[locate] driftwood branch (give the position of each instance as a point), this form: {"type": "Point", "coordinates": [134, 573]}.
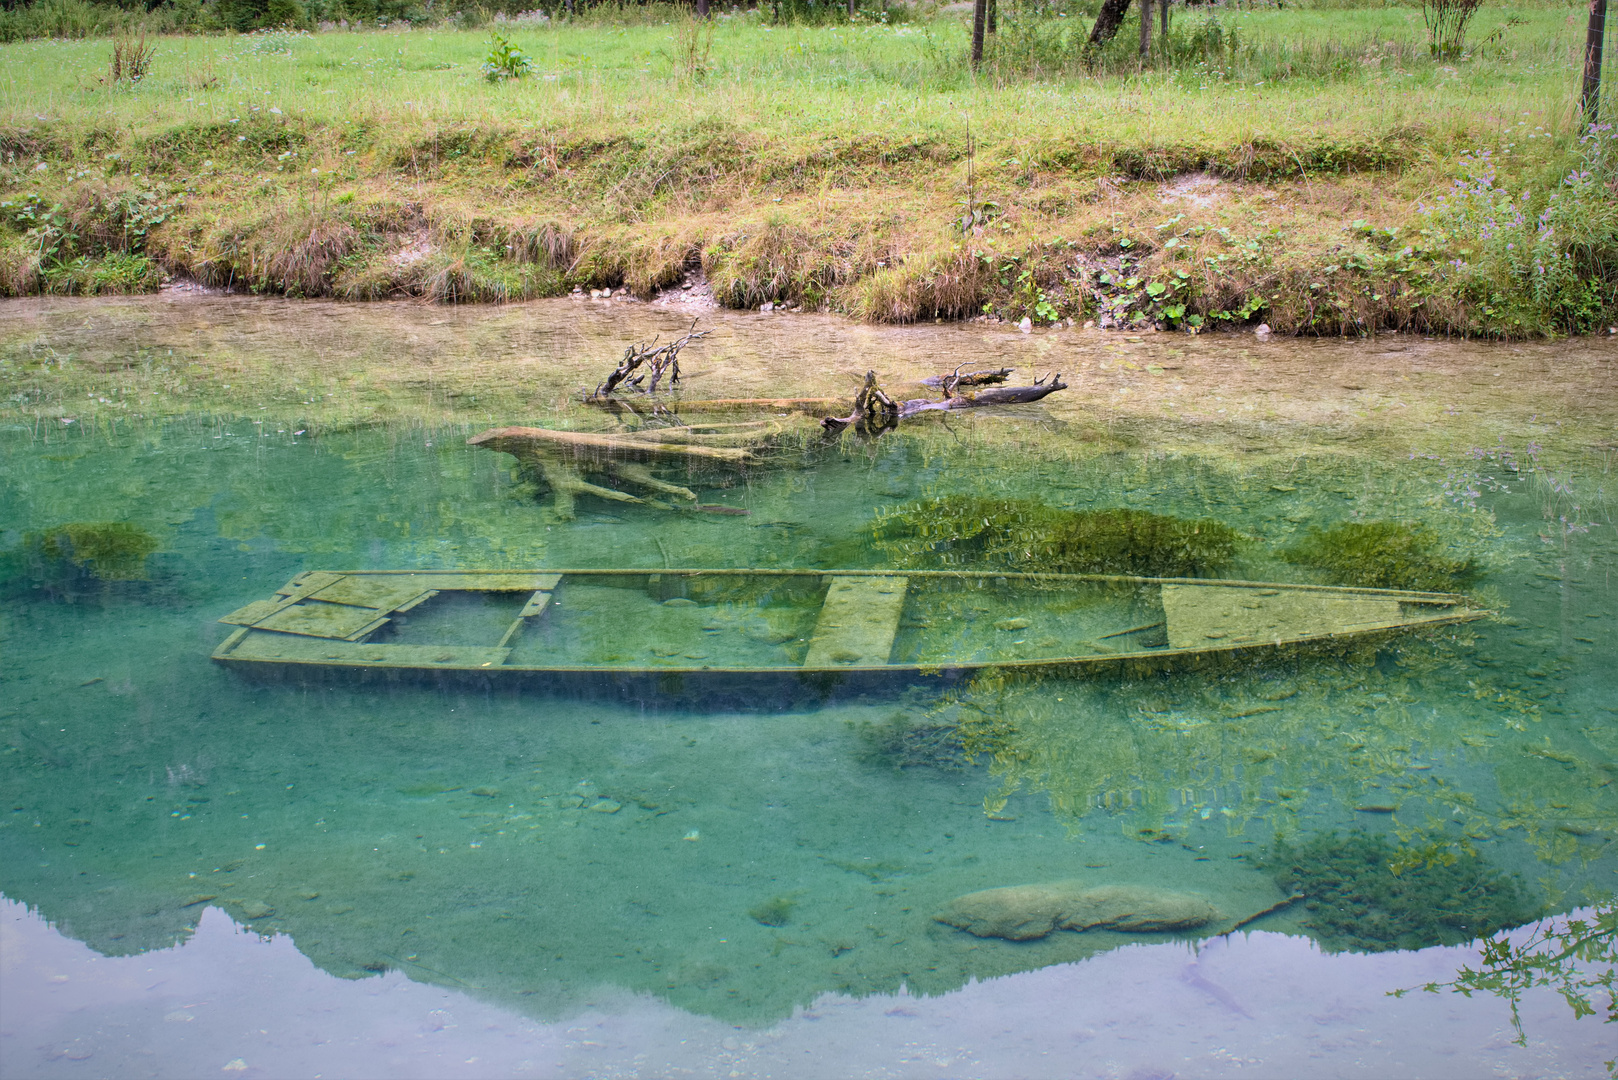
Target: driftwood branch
{"type": "Point", "coordinates": [659, 360]}
{"type": "Point", "coordinates": [958, 378]}
{"type": "Point", "coordinates": [878, 412]}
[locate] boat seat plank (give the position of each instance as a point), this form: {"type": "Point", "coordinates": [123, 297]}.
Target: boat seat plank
{"type": "Point", "coordinates": [258, 645]}
{"type": "Point", "coordinates": [307, 582]}
{"type": "Point", "coordinates": [1210, 616]}
{"type": "Point", "coordinates": [315, 619]}
{"type": "Point", "coordinates": [378, 593]}
{"type": "Point", "coordinates": [858, 622]}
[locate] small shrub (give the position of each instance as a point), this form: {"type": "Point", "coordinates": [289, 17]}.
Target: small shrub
{"type": "Point", "coordinates": [505, 61]}
{"type": "Point", "coordinates": [1383, 555]}
{"type": "Point", "coordinates": [1446, 26]}
{"type": "Point", "coordinates": [131, 59]}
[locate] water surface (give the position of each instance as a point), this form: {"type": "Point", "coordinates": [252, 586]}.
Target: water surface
{"type": "Point", "coordinates": [532, 848]}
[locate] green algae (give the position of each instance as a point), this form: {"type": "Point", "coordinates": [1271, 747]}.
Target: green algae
{"type": "Point", "coordinates": [1364, 894]}
{"type": "Point", "coordinates": [904, 741]}
{"type": "Point", "coordinates": [106, 550]}
{"type": "Point", "coordinates": [776, 911]}
{"type": "Point", "coordinates": [970, 530]}
{"type": "Point", "coordinates": [1384, 555]}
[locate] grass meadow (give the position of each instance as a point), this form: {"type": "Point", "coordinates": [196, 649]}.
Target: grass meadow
{"type": "Point", "coordinates": [1265, 163]}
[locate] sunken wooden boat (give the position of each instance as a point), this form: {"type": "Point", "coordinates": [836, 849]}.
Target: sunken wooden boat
{"type": "Point", "coordinates": [812, 624]}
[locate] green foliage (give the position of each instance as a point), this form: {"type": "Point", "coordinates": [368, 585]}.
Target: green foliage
{"type": "Point", "coordinates": [969, 530]}
{"type": "Point", "coordinates": [505, 61]}
{"type": "Point", "coordinates": [907, 742]}
{"type": "Point", "coordinates": [776, 911]}
{"type": "Point", "coordinates": [110, 550]}
{"type": "Point", "coordinates": [1383, 555]}
{"type": "Point", "coordinates": [1572, 957]}
{"type": "Point", "coordinates": [1543, 260]}
{"type": "Point", "coordinates": [1364, 895]}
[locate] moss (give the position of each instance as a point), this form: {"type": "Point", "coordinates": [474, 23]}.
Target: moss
{"type": "Point", "coordinates": [906, 742]}
{"type": "Point", "coordinates": [776, 911]}
{"type": "Point", "coordinates": [110, 550]}
{"type": "Point", "coordinates": [1383, 554]}
{"type": "Point", "coordinates": [967, 531]}
{"type": "Point", "coordinates": [1363, 894]}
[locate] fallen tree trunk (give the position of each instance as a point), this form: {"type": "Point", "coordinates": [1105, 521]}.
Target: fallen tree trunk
{"type": "Point", "coordinates": [878, 412]}
{"type": "Point", "coordinates": [996, 395]}
{"type": "Point", "coordinates": [969, 378]}
{"type": "Point", "coordinates": [525, 441]}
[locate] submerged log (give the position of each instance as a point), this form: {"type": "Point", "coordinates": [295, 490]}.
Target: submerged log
{"type": "Point", "coordinates": [525, 441]}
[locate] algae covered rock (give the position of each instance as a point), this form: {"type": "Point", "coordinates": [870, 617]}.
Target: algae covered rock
{"type": "Point", "coordinates": [1026, 912]}
{"type": "Point", "coordinates": [958, 531]}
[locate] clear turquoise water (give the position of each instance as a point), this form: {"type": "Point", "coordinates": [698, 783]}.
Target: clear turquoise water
{"type": "Point", "coordinates": [466, 835]}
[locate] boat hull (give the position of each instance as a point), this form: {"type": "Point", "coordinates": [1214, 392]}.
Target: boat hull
{"type": "Point", "coordinates": [655, 634]}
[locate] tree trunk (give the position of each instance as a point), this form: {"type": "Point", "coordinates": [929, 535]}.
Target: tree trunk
{"type": "Point", "coordinates": [979, 10]}
{"type": "Point", "coordinates": [1145, 28]}
{"type": "Point", "coordinates": [850, 9]}
{"type": "Point", "coordinates": [1110, 18]}
{"type": "Point", "coordinates": [1594, 39]}
{"type": "Point", "coordinates": [702, 9]}
{"type": "Point", "coordinates": [1164, 28]}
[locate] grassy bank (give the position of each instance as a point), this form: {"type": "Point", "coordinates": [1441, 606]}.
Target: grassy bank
{"type": "Point", "coordinates": [1271, 165]}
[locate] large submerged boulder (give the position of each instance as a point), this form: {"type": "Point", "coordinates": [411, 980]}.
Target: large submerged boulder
{"type": "Point", "coordinates": [1026, 912]}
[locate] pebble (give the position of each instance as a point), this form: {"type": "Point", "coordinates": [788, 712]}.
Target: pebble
{"type": "Point", "coordinates": [679, 601]}
{"type": "Point", "coordinates": [254, 909]}
{"type": "Point", "coordinates": [200, 898]}
{"type": "Point", "coordinates": [1012, 624]}
{"type": "Point", "coordinates": [607, 806]}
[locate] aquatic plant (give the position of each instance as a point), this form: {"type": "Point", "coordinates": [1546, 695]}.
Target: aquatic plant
{"type": "Point", "coordinates": [907, 742]}
{"type": "Point", "coordinates": [110, 550]}
{"type": "Point", "coordinates": [1364, 894]}
{"type": "Point", "coordinates": [1383, 554]}
{"type": "Point", "coordinates": [776, 911]}
{"type": "Point", "coordinates": [969, 530]}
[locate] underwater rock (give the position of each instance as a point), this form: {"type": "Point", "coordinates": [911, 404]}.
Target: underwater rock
{"type": "Point", "coordinates": [256, 909]}
{"type": "Point", "coordinates": [1026, 912]}
{"type": "Point", "coordinates": [1012, 624]}
{"type": "Point", "coordinates": [607, 806]}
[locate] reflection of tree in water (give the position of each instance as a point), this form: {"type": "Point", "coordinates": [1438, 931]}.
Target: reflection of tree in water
{"type": "Point", "coordinates": [1399, 729]}
{"type": "Point", "coordinates": [1577, 957]}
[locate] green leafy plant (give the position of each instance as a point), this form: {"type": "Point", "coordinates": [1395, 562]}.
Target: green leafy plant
{"type": "Point", "coordinates": [776, 911]}
{"type": "Point", "coordinates": [505, 61]}
{"type": "Point", "coordinates": [1576, 957]}
{"type": "Point", "coordinates": [110, 550]}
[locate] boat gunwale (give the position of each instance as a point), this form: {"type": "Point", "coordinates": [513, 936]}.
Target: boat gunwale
{"type": "Point", "coordinates": [1410, 596]}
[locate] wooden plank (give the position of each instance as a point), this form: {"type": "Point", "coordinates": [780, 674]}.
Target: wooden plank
{"type": "Point", "coordinates": [451, 581]}
{"type": "Point", "coordinates": [858, 622]}
{"type": "Point", "coordinates": [535, 605]}
{"type": "Point", "coordinates": [258, 609]}
{"type": "Point", "coordinates": [258, 645]}
{"type": "Point", "coordinates": [315, 619]}
{"type": "Point", "coordinates": [378, 593]}
{"type": "Point", "coordinates": [307, 582]}
{"type": "Point", "coordinates": [1210, 616]}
